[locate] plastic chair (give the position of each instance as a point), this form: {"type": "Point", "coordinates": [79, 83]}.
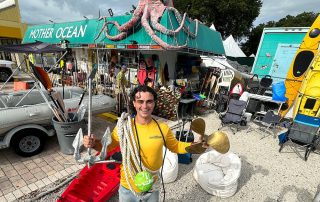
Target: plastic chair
{"type": "Point", "coordinates": [225, 79]}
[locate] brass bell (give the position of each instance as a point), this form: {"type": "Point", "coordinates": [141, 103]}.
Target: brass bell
{"type": "Point", "coordinates": [219, 141]}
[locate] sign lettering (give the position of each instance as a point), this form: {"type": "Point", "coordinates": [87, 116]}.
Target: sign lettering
{"type": "Point", "coordinates": [60, 33]}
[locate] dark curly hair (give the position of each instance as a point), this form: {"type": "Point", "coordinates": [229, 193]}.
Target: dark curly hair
{"type": "Point", "coordinates": [140, 88]}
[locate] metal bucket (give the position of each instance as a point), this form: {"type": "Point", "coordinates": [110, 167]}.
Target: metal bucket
{"type": "Point", "coordinates": [66, 132]}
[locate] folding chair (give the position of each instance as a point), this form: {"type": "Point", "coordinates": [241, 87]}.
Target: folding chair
{"type": "Point", "coordinates": [253, 84]}
{"type": "Point", "coordinates": [234, 115]}
{"type": "Point", "coordinates": [302, 136]}
{"type": "Point", "coordinates": [265, 83]}
{"type": "Point", "coordinates": [266, 123]}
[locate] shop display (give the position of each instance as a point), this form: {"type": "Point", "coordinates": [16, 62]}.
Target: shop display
{"type": "Point", "coordinates": [167, 104]}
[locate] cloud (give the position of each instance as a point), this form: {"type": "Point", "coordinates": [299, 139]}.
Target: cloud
{"type": "Point", "coordinates": [40, 12]}
{"type": "Point", "coordinates": [277, 9]}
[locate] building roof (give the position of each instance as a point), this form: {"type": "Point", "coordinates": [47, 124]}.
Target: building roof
{"type": "Point", "coordinates": [84, 32]}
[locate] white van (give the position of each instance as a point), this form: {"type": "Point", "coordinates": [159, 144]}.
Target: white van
{"type": "Point", "coordinates": [6, 69]}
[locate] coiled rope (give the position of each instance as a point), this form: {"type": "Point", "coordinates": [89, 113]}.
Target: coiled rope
{"type": "Point", "coordinates": [130, 153]}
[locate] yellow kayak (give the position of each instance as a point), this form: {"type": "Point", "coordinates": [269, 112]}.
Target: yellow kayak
{"type": "Point", "coordinates": [305, 54]}
{"type": "Point", "coordinates": [308, 100]}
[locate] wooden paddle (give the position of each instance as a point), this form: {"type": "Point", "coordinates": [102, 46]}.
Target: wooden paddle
{"type": "Point", "coordinates": [57, 96]}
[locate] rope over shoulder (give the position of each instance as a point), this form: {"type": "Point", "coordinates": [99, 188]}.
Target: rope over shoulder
{"type": "Point", "coordinates": [130, 152]}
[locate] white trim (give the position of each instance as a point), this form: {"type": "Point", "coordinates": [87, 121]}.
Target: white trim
{"type": "Point", "coordinates": [7, 3]}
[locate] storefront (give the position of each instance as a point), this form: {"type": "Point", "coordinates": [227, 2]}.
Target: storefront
{"type": "Point", "coordinates": [82, 37]}
{"type": "Point", "coordinates": [168, 64]}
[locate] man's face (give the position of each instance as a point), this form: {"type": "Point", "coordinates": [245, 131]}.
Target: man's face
{"type": "Point", "coordinates": [144, 104]}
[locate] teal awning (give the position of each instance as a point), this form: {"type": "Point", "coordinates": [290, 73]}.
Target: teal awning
{"type": "Point", "coordinates": [84, 32]}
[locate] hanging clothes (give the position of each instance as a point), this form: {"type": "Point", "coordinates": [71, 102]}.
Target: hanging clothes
{"type": "Point", "coordinates": [142, 73]}
{"type": "Point", "coordinates": [146, 75]}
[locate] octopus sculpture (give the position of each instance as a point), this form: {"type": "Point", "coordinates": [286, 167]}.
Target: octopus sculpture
{"type": "Point", "coordinates": [150, 10]}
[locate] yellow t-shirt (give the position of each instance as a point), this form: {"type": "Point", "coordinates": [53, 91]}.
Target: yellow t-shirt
{"type": "Point", "coordinates": [151, 144]}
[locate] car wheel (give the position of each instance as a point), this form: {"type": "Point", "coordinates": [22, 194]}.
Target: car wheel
{"type": "Point", "coordinates": [28, 143]}
{"type": "Point", "coordinates": [4, 75]}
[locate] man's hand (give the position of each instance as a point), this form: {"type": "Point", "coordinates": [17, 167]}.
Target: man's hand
{"type": "Point", "coordinates": [89, 142]}
{"type": "Point", "coordinates": [197, 147]}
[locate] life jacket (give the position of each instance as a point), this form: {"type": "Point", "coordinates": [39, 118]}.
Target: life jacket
{"type": "Point", "coordinates": [146, 75]}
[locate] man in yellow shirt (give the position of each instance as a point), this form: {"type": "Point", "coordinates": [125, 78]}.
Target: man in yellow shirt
{"type": "Point", "coordinates": [121, 84]}
{"type": "Point", "coordinates": [150, 137]}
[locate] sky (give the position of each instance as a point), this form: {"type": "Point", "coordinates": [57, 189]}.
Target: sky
{"type": "Point", "coordinates": [41, 11]}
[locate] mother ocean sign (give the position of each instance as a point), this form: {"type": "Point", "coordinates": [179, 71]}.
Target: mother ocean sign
{"type": "Point", "coordinates": [61, 32]}
{"type": "Point", "coordinates": [75, 32]}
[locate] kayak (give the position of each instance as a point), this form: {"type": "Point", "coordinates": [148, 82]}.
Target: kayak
{"type": "Point", "coordinates": [308, 101]}
{"type": "Point", "coordinates": [304, 56]}
{"type": "Point", "coordinates": [95, 184]}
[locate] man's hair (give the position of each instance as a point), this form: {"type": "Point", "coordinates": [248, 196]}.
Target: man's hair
{"type": "Point", "coordinates": [138, 89]}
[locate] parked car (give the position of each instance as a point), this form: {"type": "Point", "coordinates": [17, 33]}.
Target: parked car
{"type": "Point", "coordinates": [6, 69]}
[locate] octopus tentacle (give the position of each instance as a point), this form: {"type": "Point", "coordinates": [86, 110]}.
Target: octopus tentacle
{"type": "Point", "coordinates": [125, 27]}
{"type": "Point", "coordinates": [102, 28]}
{"type": "Point", "coordinates": [152, 34]}
{"type": "Point", "coordinates": [185, 28]}
{"type": "Point", "coordinates": [156, 25]}
{"type": "Point", "coordinates": [136, 16]}
{"type": "Point", "coordinates": [117, 37]}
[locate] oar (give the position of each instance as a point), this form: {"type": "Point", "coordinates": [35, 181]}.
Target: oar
{"type": "Point", "coordinates": [44, 79]}
{"type": "Point", "coordinates": [57, 96]}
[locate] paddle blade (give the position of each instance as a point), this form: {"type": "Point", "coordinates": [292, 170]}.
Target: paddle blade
{"type": "Point", "coordinates": [42, 76]}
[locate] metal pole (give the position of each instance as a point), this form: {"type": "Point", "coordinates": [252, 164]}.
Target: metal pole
{"type": "Point", "coordinates": [89, 111]}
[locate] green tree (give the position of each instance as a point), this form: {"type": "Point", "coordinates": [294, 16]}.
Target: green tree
{"type": "Point", "coordinates": [304, 19]}
{"type": "Point", "coordinates": [228, 16]}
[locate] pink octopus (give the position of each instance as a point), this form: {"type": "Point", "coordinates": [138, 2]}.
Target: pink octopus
{"type": "Point", "coordinates": [153, 10]}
